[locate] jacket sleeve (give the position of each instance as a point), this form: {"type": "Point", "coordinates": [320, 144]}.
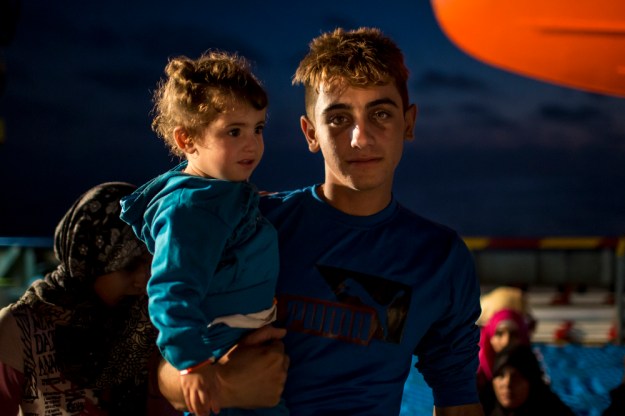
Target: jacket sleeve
{"type": "Point", "coordinates": [448, 354]}
{"type": "Point", "coordinates": [189, 242]}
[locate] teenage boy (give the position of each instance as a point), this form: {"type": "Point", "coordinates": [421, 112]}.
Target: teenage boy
{"type": "Point", "coordinates": [364, 283]}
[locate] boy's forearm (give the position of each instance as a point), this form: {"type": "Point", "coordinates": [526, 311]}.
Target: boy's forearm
{"type": "Point", "coordinates": [250, 376]}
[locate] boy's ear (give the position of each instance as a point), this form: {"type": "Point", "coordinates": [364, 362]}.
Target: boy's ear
{"type": "Point", "coordinates": [183, 141]}
{"type": "Point", "coordinates": [410, 118]}
{"type": "Point", "coordinates": [310, 133]}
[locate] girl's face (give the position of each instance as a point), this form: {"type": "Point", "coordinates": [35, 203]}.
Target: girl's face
{"type": "Point", "coordinates": [511, 388]}
{"type": "Point", "coordinates": [231, 146]}
{"type": "Point", "coordinates": [115, 286]}
{"type": "Point", "coordinates": [506, 333]}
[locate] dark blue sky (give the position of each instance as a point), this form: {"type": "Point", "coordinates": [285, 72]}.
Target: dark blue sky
{"type": "Point", "coordinates": [494, 154]}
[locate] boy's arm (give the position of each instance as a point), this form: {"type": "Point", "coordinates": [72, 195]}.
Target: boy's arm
{"type": "Point", "coordinates": [251, 376]}
{"type": "Point", "coordinates": [448, 353]}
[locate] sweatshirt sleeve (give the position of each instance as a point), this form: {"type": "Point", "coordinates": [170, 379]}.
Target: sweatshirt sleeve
{"type": "Point", "coordinates": [189, 242]}
{"type": "Point", "coordinates": [448, 354]}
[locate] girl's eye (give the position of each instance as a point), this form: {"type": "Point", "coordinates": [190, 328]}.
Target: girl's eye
{"type": "Point", "coordinates": [235, 132]}
{"type": "Point", "coordinates": [259, 129]}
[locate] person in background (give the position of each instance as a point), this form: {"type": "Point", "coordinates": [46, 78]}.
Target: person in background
{"type": "Point", "coordinates": [365, 283]}
{"type": "Point", "coordinates": [506, 297]}
{"type": "Point", "coordinates": [518, 387]}
{"type": "Point", "coordinates": [79, 341]}
{"type": "Point", "coordinates": [505, 327]}
{"type": "Point", "coordinates": [215, 262]}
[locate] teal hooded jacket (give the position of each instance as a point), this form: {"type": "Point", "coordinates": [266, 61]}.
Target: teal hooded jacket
{"type": "Point", "coordinates": [214, 255]}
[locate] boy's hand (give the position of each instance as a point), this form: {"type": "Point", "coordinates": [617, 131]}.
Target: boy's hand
{"type": "Point", "coordinates": [253, 374]}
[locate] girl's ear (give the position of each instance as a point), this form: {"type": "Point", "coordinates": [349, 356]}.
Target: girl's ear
{"type": "Point", "coordinates": [183, 140]}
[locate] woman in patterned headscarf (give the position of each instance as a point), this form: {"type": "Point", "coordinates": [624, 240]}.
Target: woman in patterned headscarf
{"type": "Point", "coordinates": [79, 340]}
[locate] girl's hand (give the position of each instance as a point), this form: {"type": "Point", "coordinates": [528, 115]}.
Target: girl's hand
{"type": "Point", "coordinates": [196, 388]}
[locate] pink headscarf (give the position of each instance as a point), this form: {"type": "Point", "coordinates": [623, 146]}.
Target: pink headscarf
{"type": "Point", "coordinates": [487, 354]}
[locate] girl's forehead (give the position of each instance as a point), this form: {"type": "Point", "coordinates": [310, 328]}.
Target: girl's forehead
{"type": "Point", "coordinates": [241, 113]}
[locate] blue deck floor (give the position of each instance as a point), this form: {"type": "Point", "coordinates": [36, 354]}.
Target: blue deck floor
{"type": "Point", "coordinates": [581, 375]}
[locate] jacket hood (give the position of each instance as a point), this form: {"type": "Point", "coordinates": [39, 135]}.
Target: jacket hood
{"type": "Point", "coordinates": [135, 207]}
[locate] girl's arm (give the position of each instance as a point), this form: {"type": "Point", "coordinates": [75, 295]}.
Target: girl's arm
{"type": "Point", "coordinates": [188, 247]}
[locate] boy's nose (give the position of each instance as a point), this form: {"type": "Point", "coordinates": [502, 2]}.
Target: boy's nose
{"type": "Point", "coordinates": [360, 136]}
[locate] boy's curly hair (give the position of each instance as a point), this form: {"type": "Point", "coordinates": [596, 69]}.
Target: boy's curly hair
{"type": "Point", "coordinates": [358, 58]}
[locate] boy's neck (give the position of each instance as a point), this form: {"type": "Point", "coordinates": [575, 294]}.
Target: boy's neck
{"type": "Point", "coordinates": [354, 202]}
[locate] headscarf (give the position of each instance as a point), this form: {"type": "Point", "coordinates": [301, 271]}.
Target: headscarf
{"type": "Point", "coordinates": [97, 347]}
{"type": "Point", "coordinates": [487, 354]}
{"type": "Point", "coordinates": [541, 400]}
{"type": "Point", "coordinates": [503, 297]}
{"type": "Point", "coordinates": [89, 241]}
{"type": "Point", "coordinates": [522, 358]}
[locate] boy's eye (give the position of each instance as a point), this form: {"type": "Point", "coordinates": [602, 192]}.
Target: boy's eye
{"type": "Point", "coordinates": [381, 115]}
{"type": "Point", "coordinates": [259, 129]}
{"type": "Point", "coordinates": [337, 120]}
{"type": "Point", "coordinates": [234, 132]}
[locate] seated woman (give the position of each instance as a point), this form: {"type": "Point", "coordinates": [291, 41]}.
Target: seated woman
{"type": "Point", "coordinates": [518, 387]}
{"type": "Point", "coordinates": [505, 327]}
{"type": "Point", "coordinates": [79, 341]}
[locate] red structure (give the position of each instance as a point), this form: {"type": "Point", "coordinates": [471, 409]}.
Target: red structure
{"type": "Point", "coordinates": [578, 44]}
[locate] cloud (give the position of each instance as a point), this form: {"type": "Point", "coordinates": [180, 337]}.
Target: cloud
{"type": "Point", "coordinates": [480, 115]}
{"type": "Point", "coordinates": [580, 125]}
{"type": "Point", "coordinates": [432, 79]}
{"type": "Point", "coordinates": [579, 115]}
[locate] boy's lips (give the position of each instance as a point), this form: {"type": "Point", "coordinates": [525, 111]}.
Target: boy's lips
{"type": "Point", "coordinates": [364, 160]}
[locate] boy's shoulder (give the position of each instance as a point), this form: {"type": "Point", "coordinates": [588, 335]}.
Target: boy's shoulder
{"type": "Point", "coordinates": [274, 198]}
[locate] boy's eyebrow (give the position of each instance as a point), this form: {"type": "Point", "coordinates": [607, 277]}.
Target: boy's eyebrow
{"type": "Point", "coordinates": [374, 103]}
{"type": "Point", "coordinates": [381, 101]}
{"type": "Point", "coordinates": [337, 106]}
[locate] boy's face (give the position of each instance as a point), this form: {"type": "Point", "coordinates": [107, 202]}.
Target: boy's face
{"type": "Point", "coordinates": [231, 146]}
{"type": "Point", "coordinates": [361, 133]}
